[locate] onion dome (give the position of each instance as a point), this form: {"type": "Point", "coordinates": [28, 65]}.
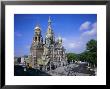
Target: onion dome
{"type": "Point", "coordinates": [59, 39]}
{"type": "Point", "coordinates": [37, 27]}
{"type": "Point", "coordinates": [48, 35]}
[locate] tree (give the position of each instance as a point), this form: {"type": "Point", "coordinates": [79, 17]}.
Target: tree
{"type": "Point", "coordinates": [83, 56]}
{"type": "Point", "coordinates": [89, 55]}
{"type": "Point", "coordinates": [92, 46]}
{"type": "Point", "coordinates": [91, 52]}
{"type": "Point", "coordinates": [72, 57]}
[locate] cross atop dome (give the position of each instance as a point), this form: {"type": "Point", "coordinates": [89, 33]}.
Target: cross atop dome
{"type": "Point", "coordinates": [49, 21]}
{"type": "Point", "coordinates": [37, 26]}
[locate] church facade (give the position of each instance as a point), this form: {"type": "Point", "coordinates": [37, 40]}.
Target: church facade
{"type": "Point", "coordinates": [48, 53]}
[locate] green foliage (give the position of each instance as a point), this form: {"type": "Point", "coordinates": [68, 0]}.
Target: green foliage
{"type": "Point", "coordinates": [82, 56]}
{"type": "Point", "coordinates": [89, 55]}
{"type": "Point", "coordinates": [72, 56]}
{"type": "Point", "coordinates": [92, 46]}
{"type": "Point", "coordinates": [92, 52]}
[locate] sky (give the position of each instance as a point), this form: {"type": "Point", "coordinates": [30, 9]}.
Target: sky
{"type": "Point", "coordinates": [75, 29]}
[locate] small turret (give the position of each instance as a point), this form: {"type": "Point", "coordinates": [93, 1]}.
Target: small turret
{"type": "Point", "coordinates": [59, 40]}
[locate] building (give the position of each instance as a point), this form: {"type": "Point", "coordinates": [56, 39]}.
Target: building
{"type": "Point", "coordinates": [48, 54]}
{"type": "Point", "coordinates": [22, 60]}
{"type": "Point", "coordinates": [15, 60]}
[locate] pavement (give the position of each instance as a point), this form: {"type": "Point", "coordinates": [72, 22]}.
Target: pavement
{"type": "Point", "coordinates": [72, 70]}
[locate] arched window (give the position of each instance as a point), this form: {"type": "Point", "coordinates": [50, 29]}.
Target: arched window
{"type": "Point", "coordinates": [35, 38]}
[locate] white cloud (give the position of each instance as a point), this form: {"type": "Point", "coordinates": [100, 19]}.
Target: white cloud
{"type": "Point", "coordinates": [70, 43]}
{"type": "Point", "coordinates": [73, 44]}
{"type": "Point", "coordinates": [64, 39]}
{"type": "Point", "coordinates": [78, 44]}
{"type": "Point", "coordinates": [85, 26]}
{"type": "Point", "coordinates": [92, 31]}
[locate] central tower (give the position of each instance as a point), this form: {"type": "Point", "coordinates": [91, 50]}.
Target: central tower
{"type": "Point", "coordinates": [49, 34]}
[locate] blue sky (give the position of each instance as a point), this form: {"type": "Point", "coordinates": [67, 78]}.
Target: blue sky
{"type": "Point", "coordinates": [75, 29]}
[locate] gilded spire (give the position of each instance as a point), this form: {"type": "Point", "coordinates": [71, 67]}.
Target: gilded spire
{"type": "Point", "coordinates": [49, 31]}
{"type": "Point", "coordinates": [49, 21]}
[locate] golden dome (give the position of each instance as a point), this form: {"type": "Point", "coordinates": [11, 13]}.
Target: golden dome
{"type": "Point", "coordinates": [37, 29]}
{"type": "Point", "coordinates": [59, 39]}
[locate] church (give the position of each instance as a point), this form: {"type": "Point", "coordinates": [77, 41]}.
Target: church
{"type": "Point", "coordinates": [48, 53]}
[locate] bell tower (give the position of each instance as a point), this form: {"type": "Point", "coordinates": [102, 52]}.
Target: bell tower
{"type": "Point", "coordinates": [37, 35]}
{"type": "Point", "coordinates": [36, 49]}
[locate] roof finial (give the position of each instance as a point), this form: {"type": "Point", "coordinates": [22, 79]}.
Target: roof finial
{"type": "Point", "coordinates": [49, 21]}
{"type": "Point", "coordinates": [37, 26]}
{"type": "Point", "coordinates": [59, 38]}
